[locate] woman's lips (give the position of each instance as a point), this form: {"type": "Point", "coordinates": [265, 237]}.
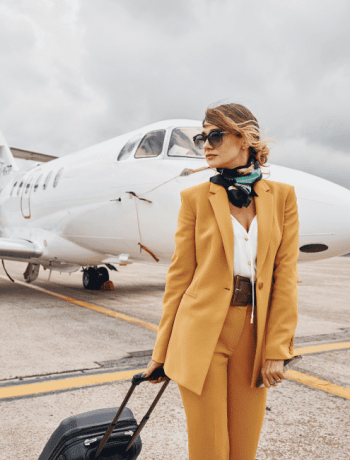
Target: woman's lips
{"type": "Point", "coordinates": [210, 155]}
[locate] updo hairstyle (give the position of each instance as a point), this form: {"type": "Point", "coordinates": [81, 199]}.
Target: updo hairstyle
{"type": "Point", "coordinates": [238, 120]}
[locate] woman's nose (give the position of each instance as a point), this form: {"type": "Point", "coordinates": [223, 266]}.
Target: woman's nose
{"type": "Point", "coordinates": [207, 146]}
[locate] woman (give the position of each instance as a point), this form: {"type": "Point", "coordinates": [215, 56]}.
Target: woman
{"type": "Point", "coordinates": [230, 302]}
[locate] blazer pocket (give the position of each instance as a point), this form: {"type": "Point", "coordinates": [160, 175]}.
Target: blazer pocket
{"type": "Point", "coordinates": [190, 295]}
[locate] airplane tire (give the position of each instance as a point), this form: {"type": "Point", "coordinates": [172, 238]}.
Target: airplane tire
{"type": "Point", "coordinates": [91, 279]}
{"type": "Point", "coordinates": [103, 275]}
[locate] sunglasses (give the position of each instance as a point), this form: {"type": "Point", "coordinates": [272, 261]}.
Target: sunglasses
{"type": "Point", "coordinates": [215, 138]}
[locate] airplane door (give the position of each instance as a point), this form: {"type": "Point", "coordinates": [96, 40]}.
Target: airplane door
{"type": "Point", "coordinates": [25, 197]}
{"type": "Point", "coordinates": [129, 222]}
{"type": "Point", "coordinates": [128, 228]}
{"type": "Point", "coordinates": [148, 215]}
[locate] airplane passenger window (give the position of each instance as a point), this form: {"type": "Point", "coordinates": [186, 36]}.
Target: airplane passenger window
{"type": "Point", "coordinates": [37, 183]}
{"type": "Point", "coordinates": [151, 145]}
{"type": "Point", "coordinates": [13, 188]}
{"type": "Point", "coordinates": [28, 186]}
{"type": "Point", "coordinates": [46, 183]}
{"type": "Point", "coordinates": [57, 178]}
{"type": "Point", "coordinates": [181, 143]}
{"type": "Point", "coordinates": [19, 187]}
{"type": "Point", "coordinates": [129, 147]}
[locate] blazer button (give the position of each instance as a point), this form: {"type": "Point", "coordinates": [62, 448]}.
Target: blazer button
{"type": "Point", "coordinates": [261, 285]}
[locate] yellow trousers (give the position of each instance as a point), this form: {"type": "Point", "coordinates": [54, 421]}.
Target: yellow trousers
{"type": "Point", "coordinates": [225, 421]}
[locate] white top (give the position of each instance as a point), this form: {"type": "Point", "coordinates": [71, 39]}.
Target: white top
{"type": "Point", "coordinates": [245, 252]}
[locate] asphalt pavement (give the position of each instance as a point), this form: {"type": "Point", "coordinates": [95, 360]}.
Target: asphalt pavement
{"type": "Point", "coordinates": [60, 358]}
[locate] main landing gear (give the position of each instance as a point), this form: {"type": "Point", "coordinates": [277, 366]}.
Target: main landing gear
{"type": "Point", "coordinates": [94, 277]}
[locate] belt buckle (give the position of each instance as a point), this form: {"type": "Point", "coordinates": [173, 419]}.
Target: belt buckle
{"type": "Point", "coordinates": [239, 298]}
{"type": "Point", "coordinates": [242, 294]}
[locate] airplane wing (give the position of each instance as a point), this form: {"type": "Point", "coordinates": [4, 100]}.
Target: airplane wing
{"type": "Point", "coordinates": [17, 248]}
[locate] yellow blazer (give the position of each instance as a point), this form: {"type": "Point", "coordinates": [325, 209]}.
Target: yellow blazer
{"type": "Point", "coordinates": [199, 282]}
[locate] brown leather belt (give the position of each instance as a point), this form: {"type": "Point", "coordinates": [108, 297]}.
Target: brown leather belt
{"type": "Point", "coordinates": [242, 291]}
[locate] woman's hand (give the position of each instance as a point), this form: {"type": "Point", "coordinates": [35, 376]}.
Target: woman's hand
{"type": "Point", "coordinates": [273, 372]}
{"type": "Point", "coordinates": [152, 366]}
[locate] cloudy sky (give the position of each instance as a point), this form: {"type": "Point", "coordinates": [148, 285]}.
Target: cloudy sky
{"type": "Point", "coordinates": [78, 72]}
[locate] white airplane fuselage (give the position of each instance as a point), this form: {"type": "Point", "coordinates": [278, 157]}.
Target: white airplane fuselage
{"type": "Point", "coordinates": [90, 218]}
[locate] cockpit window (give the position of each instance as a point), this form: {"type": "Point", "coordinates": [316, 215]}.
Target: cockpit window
{"type": "Point", "coordinates": [151, 145]}
{"type": "Point", "coordinates": [129, 147]}
{"type": "Point", "coordinates": [181, 143]}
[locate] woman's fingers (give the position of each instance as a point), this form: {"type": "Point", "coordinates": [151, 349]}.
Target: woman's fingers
{"type": "Point", "coordinates": [160, 379]}
{"type": "Point", "coordinates": [267, 382]}
{"type": "Point", "coordinates": [148, 372]}
{"type": "Point", "coordinates": [152, 366]}
{"type": "Point", "coordinates": [273, 372]}
{"type": "Point", "coordinates": [279, 375]}
{"type": "Point", "coordinates": [265, 377]}
{"type": "Point", "coordinates": [276, 377]}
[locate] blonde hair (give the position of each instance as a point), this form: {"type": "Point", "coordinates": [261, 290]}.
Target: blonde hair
{"type": "Point", "coordinates": [239, 121]}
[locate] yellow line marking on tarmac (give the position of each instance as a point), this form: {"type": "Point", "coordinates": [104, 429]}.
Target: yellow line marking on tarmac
{"type": "Point", "coordinates": [322, 347]}
{"type": "Point", "coordinates": [79, 382]}
{"type": "Point", "coordinates": [65, 384]}
{"type": "Point", "coordinates": [318, 383]}
{"type": "Point", "coordinates": [105, 311]}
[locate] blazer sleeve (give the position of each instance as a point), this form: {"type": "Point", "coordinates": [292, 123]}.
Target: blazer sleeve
{"type": "Point", "coordinates": [283, 315]}
{"type": "Point", "coordinates": [179, 276]}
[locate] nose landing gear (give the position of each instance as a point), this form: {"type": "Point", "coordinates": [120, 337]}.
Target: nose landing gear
{"type": "Point", "coordinates": [31, 273]}
{"type": "Point", "coordinates": [94, 277]}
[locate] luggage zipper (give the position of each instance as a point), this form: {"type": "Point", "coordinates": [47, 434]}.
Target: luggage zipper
{"type": "Point", "coordinates": [87, 442]}
{"type": "Point", "coordinates": [90, 441]}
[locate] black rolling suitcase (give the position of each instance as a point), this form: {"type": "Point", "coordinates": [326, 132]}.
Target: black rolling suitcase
{"type": "Point", "coordinates": [105, 434]}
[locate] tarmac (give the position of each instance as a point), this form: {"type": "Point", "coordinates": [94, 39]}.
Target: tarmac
{"type": "Point", "coordinates": [66, 350]}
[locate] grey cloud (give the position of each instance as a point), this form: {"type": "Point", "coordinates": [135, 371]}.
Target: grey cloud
{"type": "Point", "coordinates": [167, 16]}
{"type": "Point", "coordinates": [324, 162]}
{"type": "Point", "coordinates": [17, 37]}
{"type": "Point", "coordinates": [93, 70]}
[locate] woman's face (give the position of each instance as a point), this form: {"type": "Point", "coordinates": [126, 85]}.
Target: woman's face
{"type": "Point", "coordinates": [231, 153]}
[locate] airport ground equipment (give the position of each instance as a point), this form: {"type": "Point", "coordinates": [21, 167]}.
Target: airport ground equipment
{"type": "Point", "coordinates": [104, 434]}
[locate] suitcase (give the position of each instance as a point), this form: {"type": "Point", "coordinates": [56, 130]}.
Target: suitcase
{"type": "Point", "coordinates": [104, 434]}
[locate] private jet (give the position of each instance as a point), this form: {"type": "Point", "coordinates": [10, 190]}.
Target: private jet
{"type": "Point", "coordinates": [117, 202]}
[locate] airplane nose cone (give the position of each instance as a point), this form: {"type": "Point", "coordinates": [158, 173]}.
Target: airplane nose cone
{"type": "Point", "coordinates": [324, 214]}
{"type": "Point", "coordinates": [324, 209]}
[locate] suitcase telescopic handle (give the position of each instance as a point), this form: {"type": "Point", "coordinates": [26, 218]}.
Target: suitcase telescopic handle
{"type": "Point", "coordinates": [136, 380]}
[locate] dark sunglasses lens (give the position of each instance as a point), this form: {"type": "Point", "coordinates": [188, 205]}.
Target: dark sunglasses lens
{"type": "Point", "coordinates": [199, 141]}
{"type": "Point", "coordinates": [215, 138]}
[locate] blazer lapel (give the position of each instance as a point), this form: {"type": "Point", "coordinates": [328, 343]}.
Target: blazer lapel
{"type": "Point", "coordinates": [221, 208]}
{"type": "Point", "coordinates": [264, 204]}
{"type": "Point", "coordinates": [264, 210]}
